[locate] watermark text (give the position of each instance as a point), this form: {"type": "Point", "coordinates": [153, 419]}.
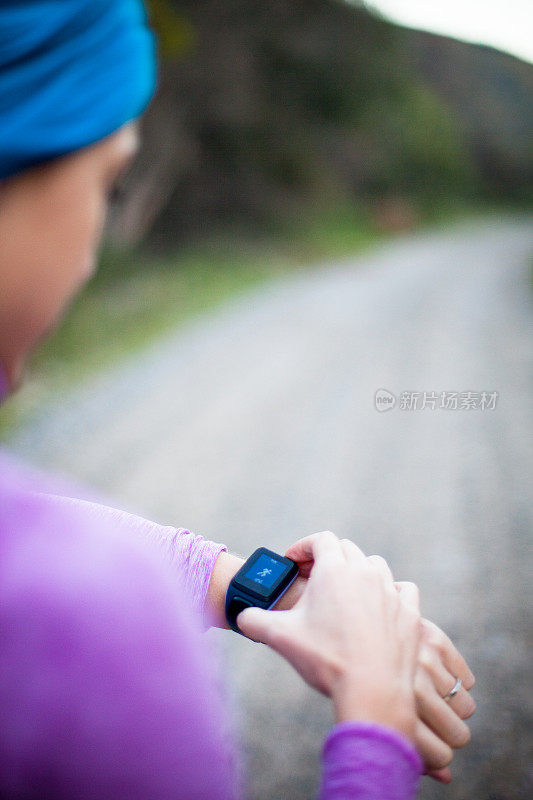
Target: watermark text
{"type": "Point", "coordinates": [467, 400]}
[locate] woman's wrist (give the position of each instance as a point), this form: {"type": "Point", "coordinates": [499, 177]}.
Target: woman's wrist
{"type": "Point", "coordinates": [384, 702]}
{"type": "Point", "coordinates": [226, 566]}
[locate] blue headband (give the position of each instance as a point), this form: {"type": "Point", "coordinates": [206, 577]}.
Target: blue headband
{"type": "Point", "coordinates": [71, 73]}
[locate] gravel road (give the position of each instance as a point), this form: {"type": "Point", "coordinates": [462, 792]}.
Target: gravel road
{"type": "Point", "coordinates": [257, 425]}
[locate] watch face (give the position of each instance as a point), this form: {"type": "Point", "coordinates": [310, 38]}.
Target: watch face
{"type": "Point", "coordinates": [266, 574]}
{"type": "Point", "coordinates": [265, 571]}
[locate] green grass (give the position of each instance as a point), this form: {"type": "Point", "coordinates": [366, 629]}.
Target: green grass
{"type": "Point", "coordinates": [135, 298]}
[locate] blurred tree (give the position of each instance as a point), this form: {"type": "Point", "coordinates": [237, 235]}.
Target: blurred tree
{"type": "Point", "coordinates": [417, 148]}
{"type": "Point", "coordinates": [266, 109]}
{"type": "Point", "coordinates": [492, 96]}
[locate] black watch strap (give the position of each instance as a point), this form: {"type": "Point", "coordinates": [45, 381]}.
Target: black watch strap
{"type": "Point", "coordinates": [259, 583]}
{"type": "Point", "coordinates": [235, 603]}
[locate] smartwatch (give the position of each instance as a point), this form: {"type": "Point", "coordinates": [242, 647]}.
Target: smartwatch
{"type": "Point", "coordinates": [260, 582]}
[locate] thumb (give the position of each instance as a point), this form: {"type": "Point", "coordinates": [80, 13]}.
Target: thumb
{"type": "Point", "coordinates": [256, 623]}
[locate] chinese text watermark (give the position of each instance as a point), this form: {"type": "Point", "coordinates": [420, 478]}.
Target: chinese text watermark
{"type": "Point", "coordinates": [432, 401]}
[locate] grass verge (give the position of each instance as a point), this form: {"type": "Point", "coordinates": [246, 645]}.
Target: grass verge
{"type": "Point", "coordinates": [136, 297]}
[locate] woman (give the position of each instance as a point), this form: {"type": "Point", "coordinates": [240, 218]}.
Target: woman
{"type": "Point", "coordinates": [104, 686]}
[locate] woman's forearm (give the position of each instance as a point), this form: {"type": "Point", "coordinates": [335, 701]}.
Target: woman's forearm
{"type": "Point", "coordinates": [203, 566]}
{"type": "Point", "coordinates": [225, 568]}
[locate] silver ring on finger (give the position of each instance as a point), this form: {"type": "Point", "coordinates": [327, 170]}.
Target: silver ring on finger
{"type": "Point", "coordinates": [454, 690]}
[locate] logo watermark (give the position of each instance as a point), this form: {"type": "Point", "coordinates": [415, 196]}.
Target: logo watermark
{"type": "Point", "coordinates": [384, 400]}
{"type": "Point", "coordinates": [468, 400]}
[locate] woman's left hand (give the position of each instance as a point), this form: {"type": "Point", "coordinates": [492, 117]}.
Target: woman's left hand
{"type": "Point", "coordinates": [440, 728]}
{"type": "Point", "coordinates": [441, 723]}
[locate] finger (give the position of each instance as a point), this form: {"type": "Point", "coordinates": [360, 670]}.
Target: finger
{"type": "Point", "coordinates": [462, 703]}
{"type": "Point", "coordinates": [304, 549]}
{"type": "Point", "coordinates": [441, 775]}
{"type": "Point", "coordinates": [304, 567]}
{"type": "Point", "coordinates": [410, 595]}
{"type": "Point", "coordinates": [301, 551]}
{"type": "Point", "coordinates": [451, 657]}
{"type": "Point", "coordinates": [437, 714]}
{"type": "Point", "coordinates": [435, 753]}
{"type": "Point", "coordinates": [326, 548]}
{"type": "Point", "coordinates": [351, 551]}
{"type": "Point", "coordinates": [381, 565]}
{"type": "Point", "coordinates": [399, 584]}
{"type": "Point", "coordinates": [430, 661]}
{"type": "Point", "coordinates": [258, 624]}
{"type": "Point", "coordinates": [434, 654]}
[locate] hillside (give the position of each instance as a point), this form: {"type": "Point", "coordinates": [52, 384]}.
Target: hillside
{"type": "Point", "coordinates": [491, 94]}
{"type": "Point", "coordinates": [268, 110]}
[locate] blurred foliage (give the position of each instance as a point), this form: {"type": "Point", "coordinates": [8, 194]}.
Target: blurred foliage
{"type": "Point", "coordinates": [491, 94]}
{"type": "Point", "coordinates": [415, 147]}
{"type": "Point", "coordinates": [267, 109]}
{"type": "Point", "coordinates": [175, 34]}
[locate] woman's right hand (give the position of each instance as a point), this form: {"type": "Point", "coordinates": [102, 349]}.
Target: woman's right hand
{"type": "Point", "coordinates": [440, 728]}
{"type": "Point", "coordinates": [350, 635]}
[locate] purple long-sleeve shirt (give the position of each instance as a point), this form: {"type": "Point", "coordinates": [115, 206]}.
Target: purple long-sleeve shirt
{"type": "Point", "coordinates": [106, 684]}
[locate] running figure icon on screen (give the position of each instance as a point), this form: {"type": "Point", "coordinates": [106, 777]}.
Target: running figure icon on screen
{"type": "Point", "coordinates": [265, 571]}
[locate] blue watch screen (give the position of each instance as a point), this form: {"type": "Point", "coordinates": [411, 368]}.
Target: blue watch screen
{"type": "Point", "coordinates": [265, 571]}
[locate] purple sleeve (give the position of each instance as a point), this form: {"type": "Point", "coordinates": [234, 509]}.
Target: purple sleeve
{"type": "Point", "coordinates": [365, 761]}
{"type": "Point", "coordinates": [107, 687]}
{"type": "Point", "coordinates": [190, 555]}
